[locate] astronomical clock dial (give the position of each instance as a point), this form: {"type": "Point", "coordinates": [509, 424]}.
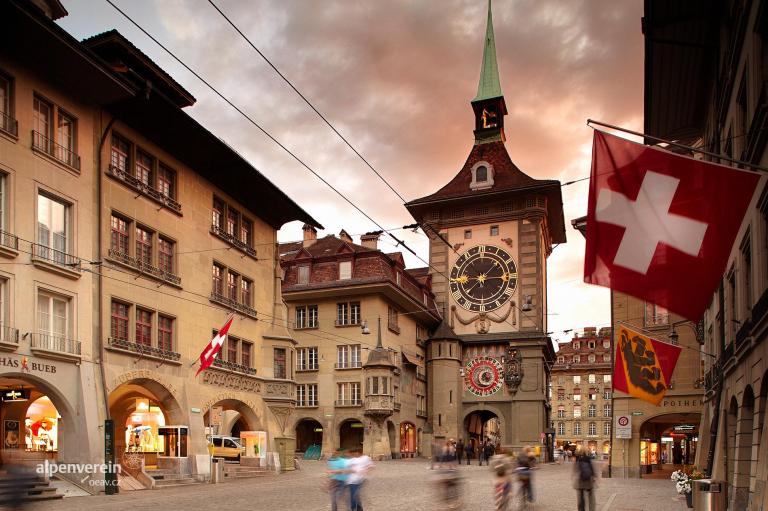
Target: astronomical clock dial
{"type": "Point", "coordinates": [483, 376]}
{"type": "Point", "coordinates": [484, 278]}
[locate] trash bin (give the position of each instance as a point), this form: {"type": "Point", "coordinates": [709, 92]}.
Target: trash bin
{"type": "Point", "coordinates": [217, 470]}
{"type": "Point", "coordinates": [709, 495]}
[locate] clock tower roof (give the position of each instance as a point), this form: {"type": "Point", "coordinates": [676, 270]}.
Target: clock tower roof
{"type": "Point", "coordinates": [489, 86]}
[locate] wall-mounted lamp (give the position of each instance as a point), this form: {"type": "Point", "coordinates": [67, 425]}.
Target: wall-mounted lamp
{"type": "Point", "coordinates": [527, 303]}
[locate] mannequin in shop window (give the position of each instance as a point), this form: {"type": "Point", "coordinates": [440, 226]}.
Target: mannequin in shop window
{"type": "Point", "coordinates": [28, 433]}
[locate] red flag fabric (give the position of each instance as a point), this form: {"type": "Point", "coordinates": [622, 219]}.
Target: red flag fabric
{"type": "Point", "coordinates": [643, 366]}
{"type": "Point", "coordinates": [210, 351]}
{"type": "Point", "coordinates": [660, 226]}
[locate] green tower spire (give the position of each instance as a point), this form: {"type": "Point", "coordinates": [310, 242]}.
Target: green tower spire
{"type": "Point", "coordinates": [489, 86]}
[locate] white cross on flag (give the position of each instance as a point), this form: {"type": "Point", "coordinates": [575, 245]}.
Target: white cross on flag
{"type": "Point", "coordinates": [214, 346]}
{"type": "Point", "coordinates": [660, 226]}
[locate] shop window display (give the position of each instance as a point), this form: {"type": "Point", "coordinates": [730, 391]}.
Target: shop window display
{"type": "Point", "coordinates": [41, 426]}
{"type": "Point", "coordinates": [142, 428]}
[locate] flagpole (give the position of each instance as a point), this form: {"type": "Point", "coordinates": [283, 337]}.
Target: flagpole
{"type": "Point", "coordinates": [677, 144]}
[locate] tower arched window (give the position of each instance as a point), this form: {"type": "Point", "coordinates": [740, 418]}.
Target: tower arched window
{"type": "Point", "coordinates": [482, 176]}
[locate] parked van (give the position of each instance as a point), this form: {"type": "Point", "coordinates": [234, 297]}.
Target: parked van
{"type": "Point", "coordinates": [227, 447]}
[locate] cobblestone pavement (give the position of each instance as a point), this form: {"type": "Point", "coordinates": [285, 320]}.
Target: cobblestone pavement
{"type": "Point", "coordinates": [393, 485]}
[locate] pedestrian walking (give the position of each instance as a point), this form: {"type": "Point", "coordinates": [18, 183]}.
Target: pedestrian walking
{"type": "Point", "coordinates": [480, 453]}
{"type": "Point", "coordinates": [489, 451]}
{"type": "Point", "coordinates": [526, 462]}
{"type": "Point", "coordinates": [469, 450]}
{"type": "Point", "coordinates": [338, 471]}
{"type": "Point", "coordinates": [584, 480]}
{"type": "Point", "coordinates": [459, 450]}
{"type": "Point", "coordinates": [501, 487]}
{"type": "Point", "coordinates": [358, 468]}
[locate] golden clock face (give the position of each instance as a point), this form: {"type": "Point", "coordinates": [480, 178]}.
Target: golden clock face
{"type": "Point", "coordinates": [484, 278]}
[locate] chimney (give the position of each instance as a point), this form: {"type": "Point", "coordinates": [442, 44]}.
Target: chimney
{"type": "Point", "coordinates": [344, 235]}
{"type": "Point", "coordinates": [310, 235]}
{"type": "Point", "coordinates": [370, 240]}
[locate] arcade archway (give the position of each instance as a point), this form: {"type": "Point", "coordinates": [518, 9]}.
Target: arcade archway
{"type": "Point", "coordinates": [36, 420]}
{"type": "Point", "coordinates": [408, 441]}
{"type": "Point", "coordinates": [351, 435]}
{"type": "Point", "coordinates": [308, 432]}
{"type": "Point", "coordinates": [668, 442]}
{"type": "Point", "coordinates": [482, 426]}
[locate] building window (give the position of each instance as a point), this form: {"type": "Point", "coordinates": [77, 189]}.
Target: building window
{"type": "Point", "coordinates": [348, 356]}
{"type": "Point", "coordinates": [120, 239]}
{"type": "Point", "coordinates": [53, 315]}
{"type": "Point", "coordinates": [246, 292]}
{"type": "Point", "coordinates": [560, 394]}
{"type": "Point", "coordinates": [593, 394]}
{"type": "Point", "coordinates": [607, 410]}
{"type": "Point", "coordinates": [66, 139]}
{"type": "Point", "coordinates": [246, 348]}
{"type": "Point", "coordinates": [607, 378]}
{"type": "Point", "coordinates": [392, 320]}
{"type": "Point", "coordinates": [576, 427]}
{"type": "Point", "coordinates": [233, 221]}
{"type": "Point", "coordinates": [246, 231]}
{"type": "Point", "coordinates": [144, 246]}
{"type": "Point", "coordinates": [592, 429]}
{"type": "Point", "coordinates": [232, 343]}
{"type": "Point", "coordinates": [592, 411]}
{"type": "Point", "coordinates": [467, 234]}
{"type": "Point", "coordinates": [231, 225]}
{"type": "Point", "coordinates": [53, 228]}
{"type": "Point", "coordinates": [482, 176]}
{"type": "Point", "coordinates": [746, 273]}
{"type": "Point", "coordinates": [143, 327]}
{"type": "Point", "coordinates": [577, 359]}
{"type": "Point", "coordinates": [218, 279]}
{"type": "Point", "coordinates": [591, 345]}
{"type": "Point", "coordinates": [561, 412]}
{"type": "Point", "coordinates": [560, 359]}
{"type": "Point", "coordinates": [280, 363]}
{"type": "Point", "coordinates": [494, 230]}
{"type": "Point", "coordinates": [232, 278]}
{"type": "Point", "coordinates": [165, 333]}
{"type": "Point", "coordinates": [306, 395]}
{"type": "Point", "coordinates": [655, 315]}
{"type": "Point", "coordinates": [7, 122]}
{"type": "Point", "coordinates": [576, 412]}
{"type": "Point", "coordinates": [232, 289]}
{"type": "Point", "coordinates": [348, 393]}
{"type": "Point", "coordinates": [306, 359]}
{"type": "Point", "coordinates": [347, 313]}
{"type": "Point", "coordinates": [591, 378]}
{"type": "Point", "coordinates": [607, 393]}
{"type": "Point", "coordinates": [218, 214]}
{"type": "Point", "coordinates": [398, 278]}
{"type": "Point", "coordinates": [561, 428]}
{"type": "Point", "coordinates": [607, 429]}
{"type": "Point", "coordinates": [144, 165]}
{"type": "Point", "coordinates": [119, 321]}
{"type": "Point", "coordinates": [576, 345]}
{"type": "Point", "coordinates": [576, 379]}
{"type": "Point", "coordinates": [42, 124]}
{"type": "Point", "coordinates": [165, 254]}
{"type": "Point", "coordinates": [306, 316]}
{"type": "Point", "coordinates": [166, 181]}
{"type": "Point", "coordinates": [733, 314]}
{"type": "Point", "coordinates": [345, 270]}
{"type": "Point", "coordinates": [120, 155]}
{"type": "Point", "coordinates": [303, 274]}
{"type": "Point", "coordinates": [606, 343]}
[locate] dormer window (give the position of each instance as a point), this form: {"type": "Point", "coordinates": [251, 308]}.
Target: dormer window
{"type": "Point", "coordinates": [482, 176]}
{"type": "Point", "coordinates": [345, 270]}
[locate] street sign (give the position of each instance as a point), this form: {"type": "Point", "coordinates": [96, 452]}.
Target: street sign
{"type": "Point", "coordinates": [637, 413]}
{"type": "Point", "coordinates": [624, 426]}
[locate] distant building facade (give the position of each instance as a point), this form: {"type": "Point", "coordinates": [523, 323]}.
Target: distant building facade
{"type": "Point", "coordinates": [582, 392]}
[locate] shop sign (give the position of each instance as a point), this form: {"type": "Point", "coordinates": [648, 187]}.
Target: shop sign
{"type": "Point", "coordinates": [685, 427]}
{"type": "Point", "coordinates": [232, 381]}
{"type": "Point", "coordinates": [637, 413]}
{"type": "Point", "coordinates": [26, 366]}
{"type": "Point", "coordinates": [624, 426]}
{"type": "Point", "coordinates": [16, 395]}
{"type": "Point", "coordinates": [672, 403]}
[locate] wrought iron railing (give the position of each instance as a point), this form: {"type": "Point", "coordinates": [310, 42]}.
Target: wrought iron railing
{"type": "Point", "coordinates": [63, 154]}
{"type": "Point", "coordinates": [143, 188]}
{"type": "Point", "coordinates": [307, 403]}
{"type": "Point", "coordinates": [143, 349]}
{"type": "Point", "coordinates": [9, 124]}
{"type": "Point", "coordinates": [233, 240]}
{"type": "Point", "coordinates": [232, 366]}
{"type": "Point", "coordinates": [55, 256]}
{"type": "Point", "coordinates": [9, 334]}
{"type": "Point", "coordinates": [232, 304]}
{"type": "Point", "coordinates": [56, 343]}
{"type": "Point", "coordinates": [348, 402]}
{"type": "Point", "coordinates": [9, 240]}
{"type": "Point", "coordinates": [144, 267]}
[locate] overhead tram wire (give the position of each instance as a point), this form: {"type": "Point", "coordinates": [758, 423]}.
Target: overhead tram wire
{"type": "Point", "coordinates": [291, 153]}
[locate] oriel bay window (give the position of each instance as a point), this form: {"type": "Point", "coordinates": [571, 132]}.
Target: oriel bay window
{"type": "Point", "coordinates": [306, 316]}
{"type": "Point", "coordinates": [306, 359]}
{"type": "Point", "coordinates": [347, 313]}
{"type": "Point", "coordinates": [348, 394]}
{"type": "Point", "coordinates": [148, 248]}
{"type": "Point", "coordinates": [231, 225]}
{"type": "Point", "coordinates": [378, 386]}
{"type": "Point", "coordinates": [280, 368]}
{"type": "Point", "coordinates": [153, 332]}
{"type": "Point", "coordinates": [348, 356]}
{"type": "Point", "coordinates": [141, 171]}
{"type": "Point", "coordinates": [232, 289]}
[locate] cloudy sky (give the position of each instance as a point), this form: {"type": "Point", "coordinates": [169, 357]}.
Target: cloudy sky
{"type": "Point", "coordinates": [396, 77]}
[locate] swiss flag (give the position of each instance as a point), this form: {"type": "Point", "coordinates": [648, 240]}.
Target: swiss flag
{"type": "Point", "coordinates": [660, 226]}
{"type": "Point", "coordinates": [210, 351]}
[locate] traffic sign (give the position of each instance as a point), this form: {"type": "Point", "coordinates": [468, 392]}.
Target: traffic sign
{"type": "Point", "coordinates": [624, 426]}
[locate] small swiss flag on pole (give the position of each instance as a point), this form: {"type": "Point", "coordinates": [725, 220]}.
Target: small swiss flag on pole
{"type": "Point", "coordinates": [214, 346]}
{"type": "Point", "coordinates": [660, 226]}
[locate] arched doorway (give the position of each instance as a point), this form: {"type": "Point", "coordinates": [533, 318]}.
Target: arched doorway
{"type": "Point", "coordinates": [482, 426]}
{"type": "Point", "coordinates": [391, 436]}
{"type": "Point", "coordinates": [36, 421]}
{"type": "Point", "coordinates": [351, 435]}
{"type": "Point", "coordinates": [308, 432]}
{"type": "Point", "coordinates": [149, 424]}
{"type": "Point", "coordinates": [236, 417]}
{"type": "Point", "coordinates": [408, 438]}
{"type": "Point", "coordinates": [667, 442]}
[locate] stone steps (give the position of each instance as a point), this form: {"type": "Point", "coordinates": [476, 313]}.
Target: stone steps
{"type": "Point", "coordinates": [239, 471]}
{"type": "Point", "coordinates": [27, 489]}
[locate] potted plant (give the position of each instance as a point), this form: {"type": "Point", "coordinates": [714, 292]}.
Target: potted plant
{"type": "Point", "coordinates": [683, 480]}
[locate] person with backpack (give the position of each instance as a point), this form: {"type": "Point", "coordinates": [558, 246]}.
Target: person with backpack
{"type": "Point", "coordinates": [584, 479]}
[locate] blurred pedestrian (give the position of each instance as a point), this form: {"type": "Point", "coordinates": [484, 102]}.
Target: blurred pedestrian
{"type": "Point", "coordinates": [501, 486]}
{"type": "Point", "coordinates": [489, 451]}
{"type": "Point", "coordinates": [459, 450]}
{"type": "Point", "coordinates": [584, 479]}
{"type": "Point", "coordinates": [358, 468]}
{"type": "Point", "coordinates": [525, 465]}
{"type": "Point", "coordinates": [469, 450]}
{"type": "Point", "coordinates": [338, 471]}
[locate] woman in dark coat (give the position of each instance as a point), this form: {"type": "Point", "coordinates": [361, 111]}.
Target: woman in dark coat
{"type": "Point", "coordinates": [584, 477]}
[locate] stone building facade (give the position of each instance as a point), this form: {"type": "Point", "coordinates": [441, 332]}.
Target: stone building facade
{"type": "Point", "coordinates": [128, 247]}
{"type": "Point", "coordinates": [727, 117]}
{"type": "Point", "coordinates": [582, 392]}
{"type": "Point", "coordinates": [360, 320]}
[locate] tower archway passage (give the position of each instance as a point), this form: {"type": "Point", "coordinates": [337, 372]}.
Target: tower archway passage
{"type": "Point", "coordinates": [483, 426]}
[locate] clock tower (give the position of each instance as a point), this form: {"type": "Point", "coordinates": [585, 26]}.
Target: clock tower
{"type": "Point", "coordinates": [491, 229]}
